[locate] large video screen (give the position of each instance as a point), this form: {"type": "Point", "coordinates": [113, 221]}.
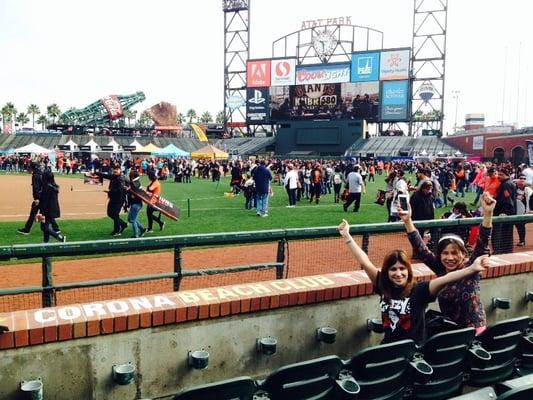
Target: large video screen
{"type": "Point", "coordinates": [347, 100]}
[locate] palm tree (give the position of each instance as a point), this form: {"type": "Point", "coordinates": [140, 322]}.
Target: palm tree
{"type": "Point", "coordinates": [128, 115]}
{"type": "Point", "coordinates": [33, 110]}
{"type": "Point", "coordinates": [53, 112]}
{"type": "Point", "coordinates": [22, 118]}
{"type": "Point", "coordinates": [220, 117]}
{"type": "Point", "coordinates": [42, 120]}
{"type": "Point", "coordinates": [191, 114]}
{"type": "Point", "coordinates": [206, 117]}
{"type": "Point", "coordinates": [180, 118]}
{"type": "Point", "coordinates": [8, 112]}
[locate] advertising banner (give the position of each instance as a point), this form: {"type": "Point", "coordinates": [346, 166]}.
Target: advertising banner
{"type": "Point", "coordinates": [113, 107]}
{"type": "Point", "coordinates": [394, 65]}
{"type": "Point", "coordinates": [256, 105]}
{"type": "Point", "coordinates": [313, 97]}
{"type": "Point", "coordinates": [258, 73]}
{"type": "Point", "coordinates": [394, 101]}
{"type": "Point", "coordinates": [283, 72]}
{"type": "Point", "coordinates": [334, 73]}
{"type": "Point", "coordinates": [365, 66]}
{"type": "Point", "coordinates": [477, 143]}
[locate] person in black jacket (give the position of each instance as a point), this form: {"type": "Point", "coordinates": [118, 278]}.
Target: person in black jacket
{"type": "Point", "coordinates": [116, 194]}
{"type": "Point", "coordinates": [505, 205]}
{"type": "Point", "coordinates": [49, 207]}
{"type": "Point", "coordinates": [36, 177]}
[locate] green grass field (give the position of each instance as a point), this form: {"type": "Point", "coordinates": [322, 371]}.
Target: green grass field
{"type": "Point", "coordinates": [211, 211]}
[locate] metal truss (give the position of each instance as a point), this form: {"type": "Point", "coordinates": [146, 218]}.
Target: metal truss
{"type": "Point", "coordinates": [236, 51]}
{"type": "Point", "coordinates": [428, 62]}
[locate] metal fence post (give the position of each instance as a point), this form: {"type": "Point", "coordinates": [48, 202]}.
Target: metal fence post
{"type": "Point", "coordinates": [366, 241]}
{"type": "Point", "coordinates": [280, 258]}
{"type": "Point", "coordinates": [48, 295]}
{"type": "Point", "coordinates": [177, 268]}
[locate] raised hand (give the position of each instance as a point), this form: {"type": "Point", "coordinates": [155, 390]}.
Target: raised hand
{"type": "Point", "coordinates": [344, 228]}
{"type": "Point", "coordinates": [480, 264]}
{"type": "Point", "coordinates": [487, 203]}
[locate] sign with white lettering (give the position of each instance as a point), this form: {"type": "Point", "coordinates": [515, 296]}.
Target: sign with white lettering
{"type": "Point", "coordinates": [283, 72]}
{"type": "Point", "coordinates": [323, 73]}
{"type": "Point", "coordinates": [258, 73]}
{"type": "Point", "coordinates": [313, 23]}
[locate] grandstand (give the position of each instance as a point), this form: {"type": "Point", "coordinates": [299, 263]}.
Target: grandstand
{"type": "Point", "coordinates": [400, 146]}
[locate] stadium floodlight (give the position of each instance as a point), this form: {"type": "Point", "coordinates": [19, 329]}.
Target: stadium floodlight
{"type": "Point", "coordinates": [502, 303]}
{"type": "Point", "coordinates": [123, 374]}
{"type": "Point", "coordinates": [326, 334]}
{"type": "Point", "coordinates": [198, 359]}
{"type": "Point", "coordinates": [374, 325]}
{"type": "Point", "coordinates": [266, 345]}
{"type": "Point", "coordinates": [33, 389]}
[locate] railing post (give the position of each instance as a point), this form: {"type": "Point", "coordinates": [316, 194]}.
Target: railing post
{"type": "Point", "coordinates": [177, 268]}
{"type": "Point", "coordinates": [366, 242]}
{"type": "Point", "coordinates": [280, 258]}
{"type": "Point", "coordinates": [48, 295]}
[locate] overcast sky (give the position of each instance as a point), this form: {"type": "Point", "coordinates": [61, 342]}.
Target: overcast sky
{"type": "Point", "coordinates": [73, 52]}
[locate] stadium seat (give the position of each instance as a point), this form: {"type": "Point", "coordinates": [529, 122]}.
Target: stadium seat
{"type": "Point", "coordinates": [382, 371]}
{"type": "Point", "coordinates": [520, 393]}
{"type": "Point", "coordinates": [525, 363]}
{"type": "Point", "coordinates": [310, 380]}
{"type": "Point", "coordinates": [515, 383]}
{"type": "Point", "coordinates": [242, 388]}
{"type": "Point", "coordinates": [486, 393]}
{"type": "Point", "coordinates": [447, 354]}
{"type": "Point", "coordinates": [502, 341]}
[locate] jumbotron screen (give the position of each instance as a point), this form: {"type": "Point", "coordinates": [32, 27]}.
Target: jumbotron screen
{"type": "Point", "coordinates": [374, 86]}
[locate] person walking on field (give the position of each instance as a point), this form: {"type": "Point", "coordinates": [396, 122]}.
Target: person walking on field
{"type": "Point", "coordinates": [291, 185]}
{"type": "Point", "coordinates": [262, 178]}
{"type": "Point", "coordinates": [49, 207]}
{"type": "Point", "coordinates": [154, 188]}
{"type": "Point", "coordinates": [355, 185]}
{"type": "Point", "coordinates": [36, 184]}
{"type": "Point", "coordinates": [116, 194]}
{"type": "Point", "coordinates": [135, 204]}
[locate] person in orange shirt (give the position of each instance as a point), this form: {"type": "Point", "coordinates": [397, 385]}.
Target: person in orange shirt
{"type": "Point", "coordinates": [154, 187]}
{"type": "Point", "coordinates": [492, 182]}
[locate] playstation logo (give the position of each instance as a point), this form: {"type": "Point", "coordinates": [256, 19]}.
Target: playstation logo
{"type": "Point", "coordinates": [258, 97]}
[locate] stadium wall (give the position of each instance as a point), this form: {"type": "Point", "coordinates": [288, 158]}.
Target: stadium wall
{"type": "Point", "coordinates": [73, 348]}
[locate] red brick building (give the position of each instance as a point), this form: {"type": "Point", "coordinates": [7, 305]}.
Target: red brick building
{"type": "Point", "coordinates": [495, 143]}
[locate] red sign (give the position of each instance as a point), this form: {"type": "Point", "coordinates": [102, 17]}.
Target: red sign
{"type": "Point", "coordinates": [113, 107]}
{"type": "Point", "coordinates": [258, 73]}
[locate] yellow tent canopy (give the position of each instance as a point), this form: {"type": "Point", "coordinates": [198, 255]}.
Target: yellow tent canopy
{"type": "Point", "coordinates": [149, 148]}
{"type": "Point", "coordinates": [210, 151]}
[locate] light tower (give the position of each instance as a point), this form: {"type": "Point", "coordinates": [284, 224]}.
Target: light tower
{"type": "Point", "coordinates": [428, 66]}
{"type": "Point", "coordinates": [236, 51]}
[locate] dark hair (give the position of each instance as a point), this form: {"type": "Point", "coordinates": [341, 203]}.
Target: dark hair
{"type": "Point", "coordinates": [151, 175]}
{"type": "Point", "coordinates": [133, 174]}
{"type": "Point", "coordinates": [461, 207]}
{"type": "Point", "coordinates": [385, 286]}
{"type": "Point", "coordinates": [451, 239]}
{"type": "Point", "coordinates": [48, 177]}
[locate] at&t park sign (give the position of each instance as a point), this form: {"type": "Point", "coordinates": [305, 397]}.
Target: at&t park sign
{"type": "Point", "coordinates": [313, 23]}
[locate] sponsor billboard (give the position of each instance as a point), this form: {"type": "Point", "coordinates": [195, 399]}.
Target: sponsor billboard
{"type": "Point", "coordinates": [258, 73]}
{"type": "Point", "coordinates": [323, 73]}
{"type": "Point", "coordinates": [394, 65]}
{"type": "Point", "coordinates": [365, 66]}
{"type": "Point", "coordinates": [394, 104]}
{"type": "Point", "coordinates": [283, 72]}
{"type": "Point", "coordinates": [256, 105]}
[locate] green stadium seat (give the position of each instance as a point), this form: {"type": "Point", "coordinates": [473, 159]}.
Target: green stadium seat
{"type": "Point", "coordinates": [525, 363]}
{"type": "Point", "coordinates": [447, 353]}
{"type": "Point", "coordinates": [241, 388]}
{"type": "Point", "coordinates": [382, 371]}
{"type": "Point", "coordinates": [502, 341]}
{"type": "Point", "coordinates": [316, 379]}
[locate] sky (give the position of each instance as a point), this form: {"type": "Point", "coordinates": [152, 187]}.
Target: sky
{"type": "Point", "coordinates": [73, 52]}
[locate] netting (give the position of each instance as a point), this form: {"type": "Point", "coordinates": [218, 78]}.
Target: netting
{"type": "Point", "coordinates": [301, 258]}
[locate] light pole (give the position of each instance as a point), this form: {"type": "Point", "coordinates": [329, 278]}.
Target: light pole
{"type": "Point", "coordinates": [456, 97]}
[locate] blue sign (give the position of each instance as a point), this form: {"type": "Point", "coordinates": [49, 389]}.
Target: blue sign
{"type": "Point", "coordinates": [257, 100]}
{"type": "Point", "coordinates": [365, 67]}
{"type": "Point", "coordinates": [394, 101]}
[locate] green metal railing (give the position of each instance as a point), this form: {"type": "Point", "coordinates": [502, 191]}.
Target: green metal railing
{"type": "Point", "coordinates": [177, 243]}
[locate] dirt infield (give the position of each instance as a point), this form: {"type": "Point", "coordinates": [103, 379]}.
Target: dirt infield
{"type": "Point", "coordinates": [78, 201]}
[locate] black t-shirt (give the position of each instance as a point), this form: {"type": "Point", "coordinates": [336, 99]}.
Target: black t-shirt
{"type": "Point", "coordinates": [403, 317]}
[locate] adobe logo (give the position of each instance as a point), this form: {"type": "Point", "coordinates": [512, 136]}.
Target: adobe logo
{"type": "Point", "coordinates": [258, 73]}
